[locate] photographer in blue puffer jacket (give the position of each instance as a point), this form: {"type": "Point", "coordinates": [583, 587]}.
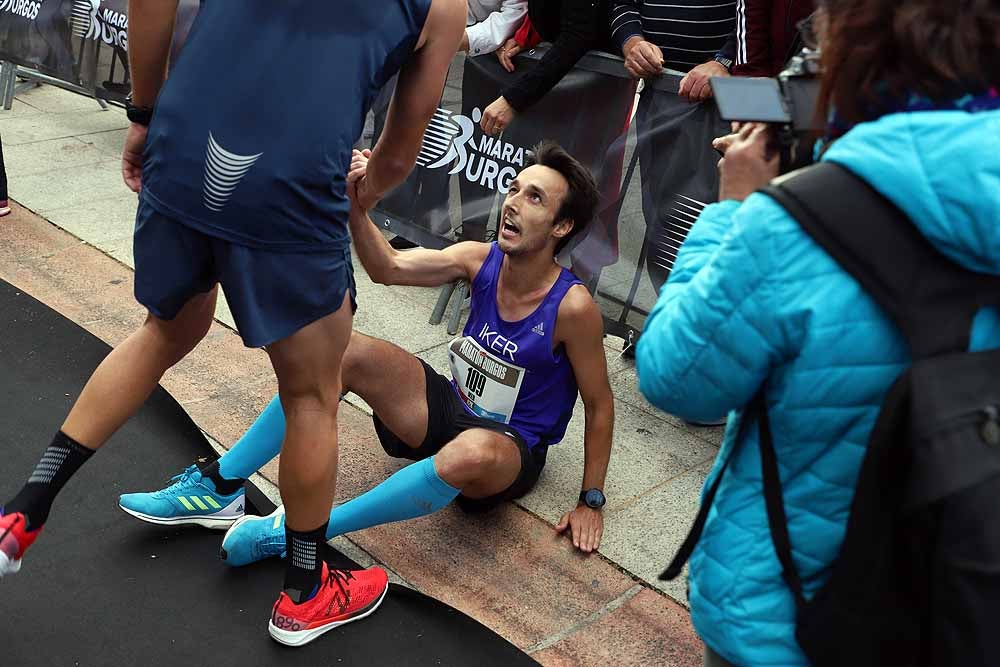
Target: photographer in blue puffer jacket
{"type": "Point", "coordinates": [911, 87]}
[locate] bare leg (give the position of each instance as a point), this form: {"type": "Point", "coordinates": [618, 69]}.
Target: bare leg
{"type": "Point", "coordinates": [481, 463]}
{"type": "Point", "coordinates": [391, 381]}
{"type": "Point", "coordinates": [307, 364]}
{"type": "Point", "coordinates": [127, 376]}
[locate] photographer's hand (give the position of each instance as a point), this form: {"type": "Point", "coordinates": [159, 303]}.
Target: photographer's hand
{"type": "Point", "coordinates": [750, 161]}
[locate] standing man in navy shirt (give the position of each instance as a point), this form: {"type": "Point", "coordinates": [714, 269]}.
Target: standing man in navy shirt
{"type": "Point", "coordinates": [249, 191]}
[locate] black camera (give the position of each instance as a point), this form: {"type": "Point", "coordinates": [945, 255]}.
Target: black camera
{"type": "Point", "coordinates": [787, 101]}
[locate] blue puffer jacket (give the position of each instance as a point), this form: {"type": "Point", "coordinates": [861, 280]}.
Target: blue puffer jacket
{"type": "Point", "coordinates": [752, 298]}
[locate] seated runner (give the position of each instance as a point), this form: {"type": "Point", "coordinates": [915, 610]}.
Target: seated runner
{"type": "Point", "coordinates": [532, 342]}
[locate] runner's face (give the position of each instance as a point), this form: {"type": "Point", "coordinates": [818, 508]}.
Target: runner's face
{"type": "Point", "coordinates": [529, 211]}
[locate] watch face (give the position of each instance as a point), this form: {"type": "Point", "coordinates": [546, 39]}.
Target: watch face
{"type": "Point", "coordinates": [594, 498]}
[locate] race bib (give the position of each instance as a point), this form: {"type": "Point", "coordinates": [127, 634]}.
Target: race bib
{"type": "Point", "coordinates": [488, 385]}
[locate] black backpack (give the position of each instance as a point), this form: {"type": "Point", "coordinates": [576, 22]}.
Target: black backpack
{"type": "Point", "coordinates": [917, 579]}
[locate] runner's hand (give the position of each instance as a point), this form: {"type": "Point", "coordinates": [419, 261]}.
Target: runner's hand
{"type": "Point", "coordinates": [135, 145]}
{"type": "Point", "coordinates": [362, 199]}
{"type": "Point", "coordinates": [586, 527]}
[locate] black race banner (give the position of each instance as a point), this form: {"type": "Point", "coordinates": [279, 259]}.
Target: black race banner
{"type": "Point", "coordinates": [83, 43]}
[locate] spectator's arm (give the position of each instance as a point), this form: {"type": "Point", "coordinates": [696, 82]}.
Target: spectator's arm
{"type": "Point", "coordinates": [730, 48]}
{"type": "Point", "coordinates": [626, 22]}
{"type": "Point", "coordinates": [753, 38]}
{"type": "Point", "coordinates": [579, 31]}
{"type": "Point", "coordinates": [715, 331]}
{"type": "Point", "coordinates": [488, 35]}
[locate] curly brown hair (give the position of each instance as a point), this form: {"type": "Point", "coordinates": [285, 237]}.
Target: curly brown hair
{"type": "Point", "coordinates": [875, 51]}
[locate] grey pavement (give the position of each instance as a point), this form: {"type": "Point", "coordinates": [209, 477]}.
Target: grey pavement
{"type": "Point", "coordinates": [62, 153]}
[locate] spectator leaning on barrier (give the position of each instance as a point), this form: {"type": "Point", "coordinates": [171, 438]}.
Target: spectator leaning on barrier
{"type": "Point", "coordinates": [752, 301]}
{"type": "Point", "coordinates": [693, 36]}
{"type": "Point", "coordinates": [767, 34]}
{"type": "Point", "coordinates": [573, 27]}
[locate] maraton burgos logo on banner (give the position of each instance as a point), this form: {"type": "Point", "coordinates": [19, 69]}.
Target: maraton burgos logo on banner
{"type": "Point", "coordinates": [91, 21]}
{"type": "Point", "coordinates": [24, 8]}
{"type": "Point", "coordinates": [452, 138]}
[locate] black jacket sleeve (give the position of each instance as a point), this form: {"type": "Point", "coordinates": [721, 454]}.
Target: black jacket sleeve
{"type": "Point", "coordinates": [582, 26]}
{"type": "Point", "coordinates": [729, 49]}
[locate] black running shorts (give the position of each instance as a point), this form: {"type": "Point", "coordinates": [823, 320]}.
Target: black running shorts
{"type": "Point", "coordinates": [446, 418]}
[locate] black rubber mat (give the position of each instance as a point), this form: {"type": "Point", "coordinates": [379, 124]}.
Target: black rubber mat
{"type": "Point", "coordinates": [101, 588]}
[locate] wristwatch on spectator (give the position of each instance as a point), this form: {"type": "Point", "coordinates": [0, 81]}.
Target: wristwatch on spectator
{"type": "Point", "coordinates": [593, 498]}
{"type": "Point", "coordinates": [725, 62]}
{"type": "Point", "coordinates": [140, 115]}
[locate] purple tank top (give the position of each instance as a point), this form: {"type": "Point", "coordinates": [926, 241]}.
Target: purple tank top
{"type": "Point", "coordinates": [509, 371]}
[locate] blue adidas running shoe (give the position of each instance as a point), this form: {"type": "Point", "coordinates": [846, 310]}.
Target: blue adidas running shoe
{"type": "Point", "coordinates": [190, 500]}
{"type": "Point", "coordinates": [255, 538]}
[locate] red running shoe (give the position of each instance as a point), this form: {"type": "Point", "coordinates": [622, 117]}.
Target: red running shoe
{"type": "Point", "coordinates": [343, 596]}
{"type": "Point", "coordinates": [15, 538]}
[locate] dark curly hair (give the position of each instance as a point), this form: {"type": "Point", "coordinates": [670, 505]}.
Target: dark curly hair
{"type": "Point", "coordinates": [582, 197]}
{"type": "Point", "coordinates": [881, 50]}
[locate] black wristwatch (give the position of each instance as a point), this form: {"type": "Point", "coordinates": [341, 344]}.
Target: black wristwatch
{"type": "Point", "coordinates": [725, 62]}
{"type": "Point", "coordinates": [593, 498]}
{"type": "Point", "coordinates": [140, 115]}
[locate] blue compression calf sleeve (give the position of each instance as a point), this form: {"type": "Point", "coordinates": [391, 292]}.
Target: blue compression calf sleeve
{"type": "Point", "coordinates": [259, 444]}
{"type": "Point", "coordinates": [414, 491]}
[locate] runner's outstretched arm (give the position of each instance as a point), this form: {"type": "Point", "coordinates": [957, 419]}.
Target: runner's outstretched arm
{"type": "Point", "coordinates": [418, 92]}
{"type": "Point", "coordinates": [419, 267]}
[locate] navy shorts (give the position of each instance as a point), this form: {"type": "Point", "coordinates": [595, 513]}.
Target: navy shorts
{"type": "Point", "coordinates": [446, 418]}
{"type": "Point", "coordinates": [271, 294]}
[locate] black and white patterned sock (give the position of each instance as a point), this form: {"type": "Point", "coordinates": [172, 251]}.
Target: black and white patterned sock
{"type": "Point", "coordinates": [305, 564]}
{"type": "Point", "coordinates": [223, 486]}
{"type": "Point", "coordinates": [59, 462]}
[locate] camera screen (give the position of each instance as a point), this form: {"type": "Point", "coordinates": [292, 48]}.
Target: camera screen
{"type": "Point", "coordinates": [748, 99]}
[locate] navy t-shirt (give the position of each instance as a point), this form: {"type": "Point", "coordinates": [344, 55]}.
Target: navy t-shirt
{"type": "Point", "coordinates": [252, 133]}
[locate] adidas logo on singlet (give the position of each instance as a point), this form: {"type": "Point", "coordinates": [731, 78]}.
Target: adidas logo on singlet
{"type": "Point", "coordinates": [539, 329]}
{"type": "Point", "coordinates": [223, 172]}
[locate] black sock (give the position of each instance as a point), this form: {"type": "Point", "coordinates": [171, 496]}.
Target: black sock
{"type": "Point", "coordinates": [223, 486]}
{"type": "Point", "coordinates": [63, 458]}
{"type": "Point", "coordinates": [305, 565]}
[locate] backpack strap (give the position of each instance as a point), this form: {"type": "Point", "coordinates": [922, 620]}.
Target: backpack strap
{"type": "Point", "coordinates": [687, 548]}
{"type": "Point", "coordinates": [929, 297]}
